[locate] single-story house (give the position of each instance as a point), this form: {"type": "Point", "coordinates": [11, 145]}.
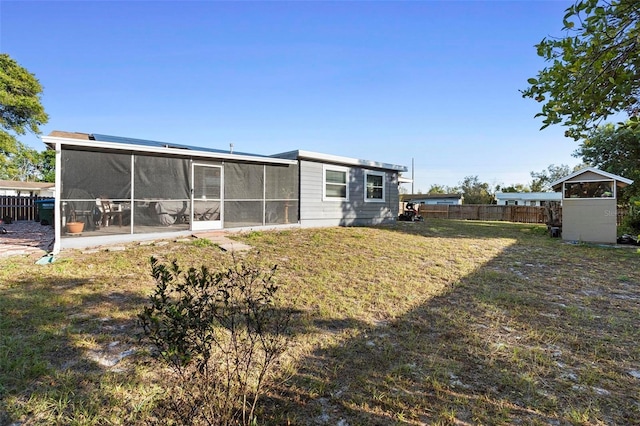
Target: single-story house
{"type": "Point", "coordinates": [26, 189]}
{"type": "Point", "coordinates": [455, 199]}
{"type": "Point", "coordinates": [589, 205]}
{"type": "Point", "coordinates": [123, 189]}
{"type": "Point", "coordinates": [527, 198]}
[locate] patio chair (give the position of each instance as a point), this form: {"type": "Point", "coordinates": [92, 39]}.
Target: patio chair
{"type": "Point", "coordinates": [110, 212]}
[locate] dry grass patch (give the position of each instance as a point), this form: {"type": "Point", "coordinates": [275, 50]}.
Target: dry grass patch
{"type": "Point", "coordinates": [442, 322]}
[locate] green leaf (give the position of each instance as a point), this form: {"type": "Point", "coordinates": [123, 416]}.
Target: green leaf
{"type": "Point", "coordinates": [532, 81]}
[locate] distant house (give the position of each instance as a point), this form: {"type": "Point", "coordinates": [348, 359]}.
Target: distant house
{"type": "Point", "coordinates": [589, 205]}
{"type": "Point", "coordinates": [26, 189]}
{"type": "Point", "coordinates": [126, 189]}
{"type": "Point", "coordinates": [452, 199]}
{"type": "Point", "coordinates": [527, 198]}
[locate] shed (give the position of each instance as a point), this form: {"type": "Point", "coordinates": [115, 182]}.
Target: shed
{"type": "Point", "coordinates": [124, 189]}
{"type": "Point", "coordinates": [589, 205]}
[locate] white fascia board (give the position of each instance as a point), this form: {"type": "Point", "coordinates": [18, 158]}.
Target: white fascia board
{"type": "Point", "coordinates": [347, 161]}
{"type": "Point", "coordinates": [161, 150]}
{"type": "Point", "coordinates": [593, 170]}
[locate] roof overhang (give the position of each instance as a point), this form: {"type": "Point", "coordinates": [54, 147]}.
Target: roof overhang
{"type": "Point", "coordinates": [93, 145]}
{"type": "Point", "coordinates": [620, 181]}
{"type": "Point", "coordinates": [336, 159]}
{"type": "Point", "coordinates": [25, 186]}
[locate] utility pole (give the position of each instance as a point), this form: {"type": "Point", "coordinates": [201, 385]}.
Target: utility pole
{"type": "Point", "coordinates": [412, 176]}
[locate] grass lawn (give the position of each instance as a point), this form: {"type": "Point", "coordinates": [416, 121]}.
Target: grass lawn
{"type": "Point", "coordinates": [442, 322]}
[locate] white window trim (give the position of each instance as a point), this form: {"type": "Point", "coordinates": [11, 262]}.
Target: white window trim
{"type": "Point", "coordinates": [613, 184]}
{"type": "Point", "coordinates": [346, 170]}
{"type": "Point", "coordinates": [384, 187]}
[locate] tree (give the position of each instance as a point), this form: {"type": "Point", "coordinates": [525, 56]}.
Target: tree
{"type": "Point", "coordinates": [614, 149]}
{"type": "Point", "coordinates": [20, 106]}
{"type": "Point", "coordinates": [518, 187]}
{"type": "Point", "coordinates": [542, 180]}
{"type": "Point", "coordinates": [28, 164]}
{"type": "Point", "coordinates": [475, 192]}
{"type": "Point", "coordinates": [594, 71]}
{"type": "Point", "coordinates": [442, 189]}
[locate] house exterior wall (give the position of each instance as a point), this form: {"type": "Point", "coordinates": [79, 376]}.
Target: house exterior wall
{"type": "Point", "coordinates": [315, 210]}
{"type": "Point", "coordinates": [527, 198]}
{"type": "Point", "coordinates": [589, 220]}
{"type": "Point", "coordinates": [449, 201]}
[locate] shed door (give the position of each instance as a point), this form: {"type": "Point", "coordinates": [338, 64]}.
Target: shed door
{"type": "Point", "coordinates": [206, 197]}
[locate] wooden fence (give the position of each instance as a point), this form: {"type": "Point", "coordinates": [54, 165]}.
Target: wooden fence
{"type": "Point", "coordinates": [19, 208]}
{"type": "Point", "coordinates": [523, 214]}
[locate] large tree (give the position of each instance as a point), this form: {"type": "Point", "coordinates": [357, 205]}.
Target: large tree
{"type": "Point", "coordinates": [21, 110]}
{"type": "Point", "coordinates": [476, 192]}
{"type": "Point", "coordinates": [541, 181]}
{"type": "Point", "coordinates": [443, 189]}
{"type": "Point", "coordinates": [614, 149]}
{"type": "Point", "coordinates": [594, 71]}
{"type": "Point", "coordinates": [28, 164]}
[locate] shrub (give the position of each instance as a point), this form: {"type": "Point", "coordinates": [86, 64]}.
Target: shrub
{"type": "Point", "coordinates": [631, 223]}
{"type": "Point", "coordinates": [220, 333]}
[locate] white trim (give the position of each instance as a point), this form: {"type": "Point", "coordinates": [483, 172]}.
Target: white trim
{"type": "Point", "coordinates": [309, 155]}
{"type": "Point", "coordinates": [593, 170]}
{"type": "Point", "coordinates": [384, 186]}
{"type": "Point", "coordinates": [56, 203]}
{"type": "Point", "coordinates": [209, 224]}
{"type": "Point", "coordinates": [346, 171]}
{"type": "Point", "coordinates": [161, 150]}
{"type": "Point", "coordinates": [613, 184]}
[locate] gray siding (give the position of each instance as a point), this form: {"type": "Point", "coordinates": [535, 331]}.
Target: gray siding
{"type": "Point", "coordinates": [589, 220]}
{"type": "Point", "coordinates": [314, 211]}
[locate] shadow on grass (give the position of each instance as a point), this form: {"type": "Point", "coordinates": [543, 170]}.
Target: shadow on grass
{"type": "Point", "coordinates": [541, 333]}
{"type": "Point", "coordinates": [60, 340]}
{"type": "Point", "coordinates": [536, 337]}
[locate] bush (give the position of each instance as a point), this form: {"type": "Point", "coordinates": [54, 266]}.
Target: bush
{"type": "Point", "coordinates": [220, 333]}
{"type": "Point", "coordinates": [631, 223]}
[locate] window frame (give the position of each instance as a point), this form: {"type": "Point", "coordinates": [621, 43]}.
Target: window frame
{"type": "Point", "coordinates": [367, 199]}
{"type": "Point", "coordinates": [568, 187]}
{"type": "Point", "coordinates": [346, 171]}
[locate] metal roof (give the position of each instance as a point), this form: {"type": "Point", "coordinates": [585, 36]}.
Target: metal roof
{"type": "Point", "coordinates": [100, 142]}
{"type": "Point", "coordinates": [159, 144]}
{"type": "Point", "coordinates": [336, 159]}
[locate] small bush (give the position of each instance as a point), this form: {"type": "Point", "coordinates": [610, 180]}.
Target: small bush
{"type": "Point", "coordinates": [220, 333]}
{"type": "Point", "coordinates": [631, 223]}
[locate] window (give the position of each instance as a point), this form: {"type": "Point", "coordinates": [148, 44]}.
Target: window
{"type": "Point", "coordinates": [336, 183]}
{"type": "Point", "coordinates": [601, 189]}
{"type": "Point", "coordinates": [374, 186]}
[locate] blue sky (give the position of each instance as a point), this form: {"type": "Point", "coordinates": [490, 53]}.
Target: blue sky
{"type": "Point", "coordinates": [432, 81]}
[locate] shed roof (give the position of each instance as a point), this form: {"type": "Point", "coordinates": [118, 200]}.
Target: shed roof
{"type": "Point", "coordinates": [620, 181]}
